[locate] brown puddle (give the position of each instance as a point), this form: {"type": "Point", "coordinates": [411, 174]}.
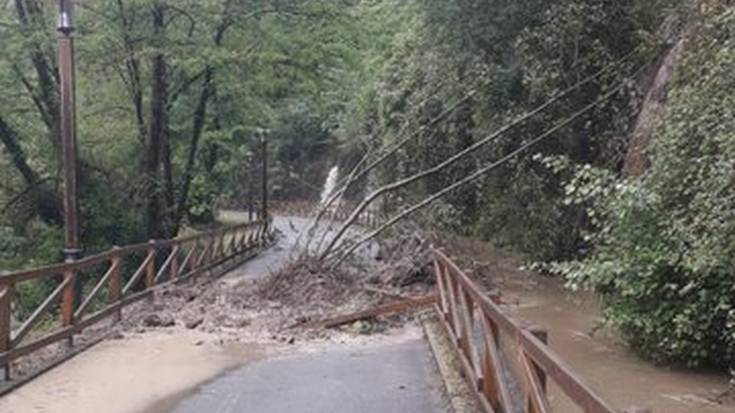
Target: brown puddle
{"type": "Point", "coordinates": [610, 368]}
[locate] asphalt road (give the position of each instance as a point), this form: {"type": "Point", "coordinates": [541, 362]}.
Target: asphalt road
{"type": "Point", "coordinates": [383, 376]}
{"type": "Point", "coordinates": [393, 377]}
{"type": "Point", "coordinates": [291, 240]}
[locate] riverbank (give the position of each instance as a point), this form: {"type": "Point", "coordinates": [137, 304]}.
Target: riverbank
{"type": "Point", "coordinates": [577, 335]}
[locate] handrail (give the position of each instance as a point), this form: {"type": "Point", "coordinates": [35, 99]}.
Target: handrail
{"type": "Point", "coordinates": [460, 305]}
{"type": "Point", "coordinates": [180, 259]}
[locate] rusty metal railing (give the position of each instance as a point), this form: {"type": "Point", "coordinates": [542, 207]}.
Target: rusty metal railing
{"type": "Point", "coordinates": [477, 326]}
{"type": "Point", "coordinates": [128, 274]}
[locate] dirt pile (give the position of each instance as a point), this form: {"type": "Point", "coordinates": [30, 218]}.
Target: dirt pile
{"type": "Point", "coordinates": [302, 292]}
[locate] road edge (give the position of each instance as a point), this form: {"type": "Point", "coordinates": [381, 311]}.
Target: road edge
{"type": "Point", "coordinates": [461, 398]}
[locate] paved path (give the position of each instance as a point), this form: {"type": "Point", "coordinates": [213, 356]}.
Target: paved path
{"type": "Point", "coordinates": [378, 378]}
{"type": "Point", "coordinates": [382, 376]}
{"type": "Point", "coordinates": [291, 229]}
{"type": "Point", "coordinates": [172, 371]}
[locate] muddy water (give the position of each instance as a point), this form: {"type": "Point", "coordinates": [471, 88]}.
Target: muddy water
{"type": "Point", "coordinates": [621, 377]}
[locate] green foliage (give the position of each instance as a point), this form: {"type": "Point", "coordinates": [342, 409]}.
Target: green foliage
{"type": "Point", "coordinates": [663, 244]}
{"type": "Point", "coordinates": [274, 65]}
{"type": "Point", "coordinates": [514, 55]}
{"type": "Point", "coordinates": [41, 246]}
{"type": "Point", "coordinates": [201, 208]}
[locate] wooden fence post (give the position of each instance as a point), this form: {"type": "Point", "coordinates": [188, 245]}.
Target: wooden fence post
{"type": "Point", "coordinates": [175, 262]}
{"type": "Point", "coordinates": [543, 336]}
{"type": "Point", "coordinates": [150, 270]}
{"type": "Point", "coordinates": [6, 297]}
{"type": "Point", "coordinates": [116, 281]}
{"type": "Point", "coordinates": [194, 257]}
{"type": "Point", "coordinates": [243, 240]}
{"type": "Point", "coordinates": [67, 302]}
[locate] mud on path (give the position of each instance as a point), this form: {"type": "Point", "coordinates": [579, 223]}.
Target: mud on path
{"type": "Point", "coordinates": [165, 350]}
{"type": "Point", "coordinates": [128, 374]}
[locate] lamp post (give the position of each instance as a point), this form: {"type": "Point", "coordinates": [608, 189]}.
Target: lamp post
{"type": "Point", "coordinates": [251, 175]}
{"type": "Point", "coordinates": [264, 153]}
{"type": "Point", "coordinates": [68, 131]}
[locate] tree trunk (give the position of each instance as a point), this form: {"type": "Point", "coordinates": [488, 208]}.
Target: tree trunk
{"type": "Point", "coordinates": [30, 16]}
{"type": "Point", "coordinates": [10, 139]}
{"type": "Point", "coordinates": [199, 120]}
{"type": "Point", "coordinates": [46, 202]}
{"type": "Point", "coordinates": [465, 199]}
{"type": "Point", "coordinates": [155, 138]}
{"type": "Point", "coordinates": [132, 71]}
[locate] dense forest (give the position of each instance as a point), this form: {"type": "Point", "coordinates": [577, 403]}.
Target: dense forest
{"type": "Point", "coordinates": [614, 168]}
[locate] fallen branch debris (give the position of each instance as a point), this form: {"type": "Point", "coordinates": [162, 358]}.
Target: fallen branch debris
{"type": "Point", "coordinates": [410, 304]}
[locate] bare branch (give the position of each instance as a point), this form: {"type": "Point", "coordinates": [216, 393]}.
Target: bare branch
{"type": "Point", "coordinates": [479, 173]}
{"type": "Point", "coordinates": [458, 156]}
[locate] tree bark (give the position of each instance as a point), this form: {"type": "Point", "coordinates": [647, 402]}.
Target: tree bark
{"type": "Point", "coordinates": [132, 71]}
{"type": "Point", "coordinates": [46, 202]}
{"type": "Point", "coordinates": [30, 16]}
{"type": "Point", "coordinates": [155, 137]}
{"type": "Point", "coordinates": [199, 120]}
{"type": "Point", "coordinates": [10, 139]}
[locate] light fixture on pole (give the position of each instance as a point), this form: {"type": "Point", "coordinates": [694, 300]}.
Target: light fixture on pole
{"type": "Point", "coordinates": [68, 132]}
{"type": "Point", "coordinates": [68, 128]}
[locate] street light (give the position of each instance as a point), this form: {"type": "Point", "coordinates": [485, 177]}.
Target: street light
{"type": "Point", "coordinates": [263, 138]}
{"type": "Point", "coordinates": [65, 15]}
{"type": "Point", "coordinates": [68, 129]}
{"type": "Point", "coordinates": [251, 174]}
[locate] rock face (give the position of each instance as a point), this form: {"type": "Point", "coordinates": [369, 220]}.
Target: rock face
{"type": "Point", "coordinates": [656, 84]}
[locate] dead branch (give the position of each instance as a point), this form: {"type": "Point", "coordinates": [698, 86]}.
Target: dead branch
{"type": "Point", "coordinates": [397, 307]}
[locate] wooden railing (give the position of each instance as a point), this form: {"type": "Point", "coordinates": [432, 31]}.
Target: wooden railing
{"type": "Point", "coordinates": [128, 274]}
{"type": "Point", "coordinates": [479, 328]}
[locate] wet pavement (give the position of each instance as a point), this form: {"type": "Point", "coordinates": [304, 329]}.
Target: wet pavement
{"type": "Point", "coordinates": [291, 239]}
{"type": "Point", "coordinates": [374, 378]}
{"type": "Point", "coordinates": [382, 376]}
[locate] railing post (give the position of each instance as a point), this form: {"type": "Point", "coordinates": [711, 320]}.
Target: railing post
{"type": "Point", "coordinates": [150, 270]}
{"type": "Point", "coordinates": [244, 241]}
{"type": "Point", "coordinates": [543, 336]}
{"type": "Point", "coordinates": [175, 262]}
{"type": "Point", "coordinates": [116, 281]}
{"type": "Point", "coordinates": [538, 395]}
{"type": "Point", "coordinates": [194, 256]}
{"type": "Point", "coordinates": [67, 302]}
{"type": "Point", "coordinates": [6, 297]}
{"type": "Point", "coordinates": [251, 175]}
{"type": "Point", "coordinates": [442, 287]}
{"type": "Point", "coordinates": [210, 255]}
{"type": "Point", "coordinates": [264, 171]}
